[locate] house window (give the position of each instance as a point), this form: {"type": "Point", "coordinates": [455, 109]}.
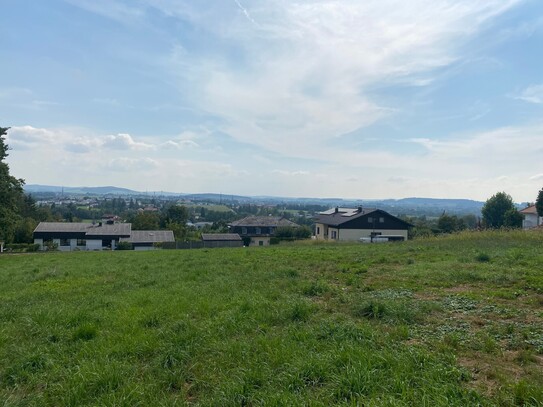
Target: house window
{"type": "Point", "coordinates": [370, 220]}
{"type": "Point", "coordinates": [381, 220]}
{"type": "Point", "coordinates": [64, 242]}
{"type": "Point", "coordinates": [334, 234]}
{"type": "Point", "coordinates": [318, 230]}
{"type": "Point", "coordinates": [258, 231]}
{"type": "Point", "coordinates": [271, 231]}
{"type": "Point", "coordinates": [243, 231]}
{"type": "Point", "coordinates": [261, 243]}
{"type": "Point", "coordinates": [81, 242]}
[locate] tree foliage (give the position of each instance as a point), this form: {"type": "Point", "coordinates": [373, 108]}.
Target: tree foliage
{"type": "Point", "coordinates": [539, 203]}
{"type": "Point", "coordinates": [449, 224]}
{"type": "Point", "coordinates": [11, 194]}
{"type": "Point", "coordinates": [498, 211]}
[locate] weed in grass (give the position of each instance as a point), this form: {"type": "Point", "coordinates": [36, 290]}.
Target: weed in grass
{"type": "Point", "coordinates": [372, 310]}
{"type": "Point", "coordinates": [85, 332]}
{"type": "Point", "coordinates": [482, 257]}
{"type": "Point", "coordinates": [525, 357]}
{"type": "Point", "coordinates": [315, 288]}
{"type": "Point", "coordinates": [300, 312]}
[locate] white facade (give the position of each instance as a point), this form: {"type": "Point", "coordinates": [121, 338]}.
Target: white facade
{"type": "Point", "coordinates": [325, 232]}
{"type": "Point", "coordinates": [531, 220]}
{"type": "Point", "coordinates": [67, 245]}
{"type": "Point", "coordinates": [531, 217]}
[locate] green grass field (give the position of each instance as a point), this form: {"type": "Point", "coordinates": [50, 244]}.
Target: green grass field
{"type": "Point", "coordinates": [454, 321]}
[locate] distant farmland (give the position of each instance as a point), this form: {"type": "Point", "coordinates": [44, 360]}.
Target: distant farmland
{"type": "Point", "coordinates": [454, 321]}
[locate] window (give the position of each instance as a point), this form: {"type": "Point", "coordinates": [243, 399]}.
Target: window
{"type": "Point", "coordinates": [334, 234]}
{"type": "Point", "coordinates": [271, 231]}
{"type": "Point", "coordinates": [261, 243]}
{"type": "Point", "coordinates": [370, 220]}
{"type": "Point", "coordinates": [258, 231]}
{"type": "Point", "coordinates": [64, 242]}
{"type": "Point", "coordinates": [381, 220]}
{"type": "Point", "coordinates": [81, 242]}
{"type": "Point", "coordinates": [318, 230]}
{"type": "Point", "coordinates": [243, 231]}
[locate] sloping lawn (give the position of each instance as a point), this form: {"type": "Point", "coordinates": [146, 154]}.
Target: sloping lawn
{"type": "Point", "coordinates": [454, 321]}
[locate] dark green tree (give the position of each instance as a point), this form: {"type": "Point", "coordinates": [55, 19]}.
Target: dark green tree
{"type": "Point", "coordinates": [495, 209]}
{"type": "Point", "coordinates": [447, 223]}
{"type": "Point", "coordinates": [539, 203]}
{"type": "Point", "coordinates": [512, 219]}
{"type": "Point", "coordinates": [145, 221]}
{"type": "Point", "coordinates": [11, 193]}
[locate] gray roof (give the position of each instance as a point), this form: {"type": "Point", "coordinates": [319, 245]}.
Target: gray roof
{"type": "Point", "coordinates": [264, 221]}
{"type": "Point", "coordinates": [62, 227]}
{"type": "Point", "coordinates": [117, 229]}
{"type": "Point", "coordinates": [343, 215]}
{"type": "Point", "coordinates": [149, 236]}
{"type": "Point", "coordinates": [221, 236]}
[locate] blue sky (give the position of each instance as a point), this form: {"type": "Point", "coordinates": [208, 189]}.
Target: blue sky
{"type": "Point", "coordinates": [320, 98]}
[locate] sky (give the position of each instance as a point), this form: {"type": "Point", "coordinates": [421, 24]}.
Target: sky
{"type": "Point", "coordinates": [310, 98]}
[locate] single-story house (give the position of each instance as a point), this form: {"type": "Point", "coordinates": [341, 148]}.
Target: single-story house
{"type": "Point", "coordinates": [222, 240]}
{"type": "Point", "coordinates": [148, 239]}
{"type": "Point", "coordinates": [258, 230]}
{"type": "Point", "coordinates": [353, 224]}
{"type": "Point", "coordinates": [70, 236]}
{"type": "Point", "coordinates": [531, 218]}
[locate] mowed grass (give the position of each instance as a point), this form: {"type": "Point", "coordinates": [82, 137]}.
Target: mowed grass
{"type": "Point", "coordinates": [454, 321]}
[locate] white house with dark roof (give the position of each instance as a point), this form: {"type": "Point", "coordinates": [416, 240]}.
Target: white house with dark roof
{"type": "Point", "coordinates": [352, 224]}
{"type": "Point", "coordinates": [69, 236]}
{"type": "Point", "coordinates": [258, 230]}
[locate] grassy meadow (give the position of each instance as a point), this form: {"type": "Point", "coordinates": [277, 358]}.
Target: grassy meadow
{"type": "Point", "coordinates": [453, 321]}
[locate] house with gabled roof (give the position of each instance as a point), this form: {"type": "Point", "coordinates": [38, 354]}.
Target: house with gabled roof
{"type": "Point", "coordinates": [354, 224]}
{"type": "Point", "coordinates": [258, 230]}
{"type": "Point", "coordinates": [531, 217]}
{"type": "Point", "coordinates": [69, 236]}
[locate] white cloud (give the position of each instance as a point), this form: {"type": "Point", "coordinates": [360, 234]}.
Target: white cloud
{"type": "Point", "coordinates": [532, 94]}
{"type": "Point", "coordinates": [180, 145]}
{"type": "Point", "coordinates": [123, 142]}
{"type": "Point", "coordinates": [536, 177]}
{"type": "Point", "coordinates": [307, 66]}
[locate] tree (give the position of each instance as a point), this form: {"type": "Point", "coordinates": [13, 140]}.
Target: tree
{"type": "Point", "coordinates": [512, 219]}
{"type": "Point", "coordinates": [11, 193]}
{"type": "Point", "coordinates": [495, 209]}
{"type": "Point", "coordinates": [539, 203]}
{"type": "Point", "coordinates": [447, 223]}
{"type": "Point", "coordinates": [145, 221]}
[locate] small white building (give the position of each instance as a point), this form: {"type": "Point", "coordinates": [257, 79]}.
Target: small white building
{"type": "Point", "coordinates": [531, 218]}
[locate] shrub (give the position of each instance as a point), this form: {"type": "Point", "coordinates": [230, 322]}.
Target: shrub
{"type": "Point", "coordinates": [124, 246]}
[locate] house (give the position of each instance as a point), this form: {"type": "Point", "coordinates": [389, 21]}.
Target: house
{"type": "Point", "coordinates": [258, 230]}
{"type": "Point", "coordinates": [148, 239]}
{"type": "Point", "coordinates": [222, 240]}
{"type": "Point", "coordinates": [354, 224]}
{"type": "Point", "coordinates": [69, 236]}
{"type": "Point", "coordinates": [531, 218]}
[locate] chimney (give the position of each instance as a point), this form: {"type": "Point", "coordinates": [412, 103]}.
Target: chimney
{"type": "Point", "coordinates": [359, 209]}
{"type": "Point", "coordinates": [337, 209]}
